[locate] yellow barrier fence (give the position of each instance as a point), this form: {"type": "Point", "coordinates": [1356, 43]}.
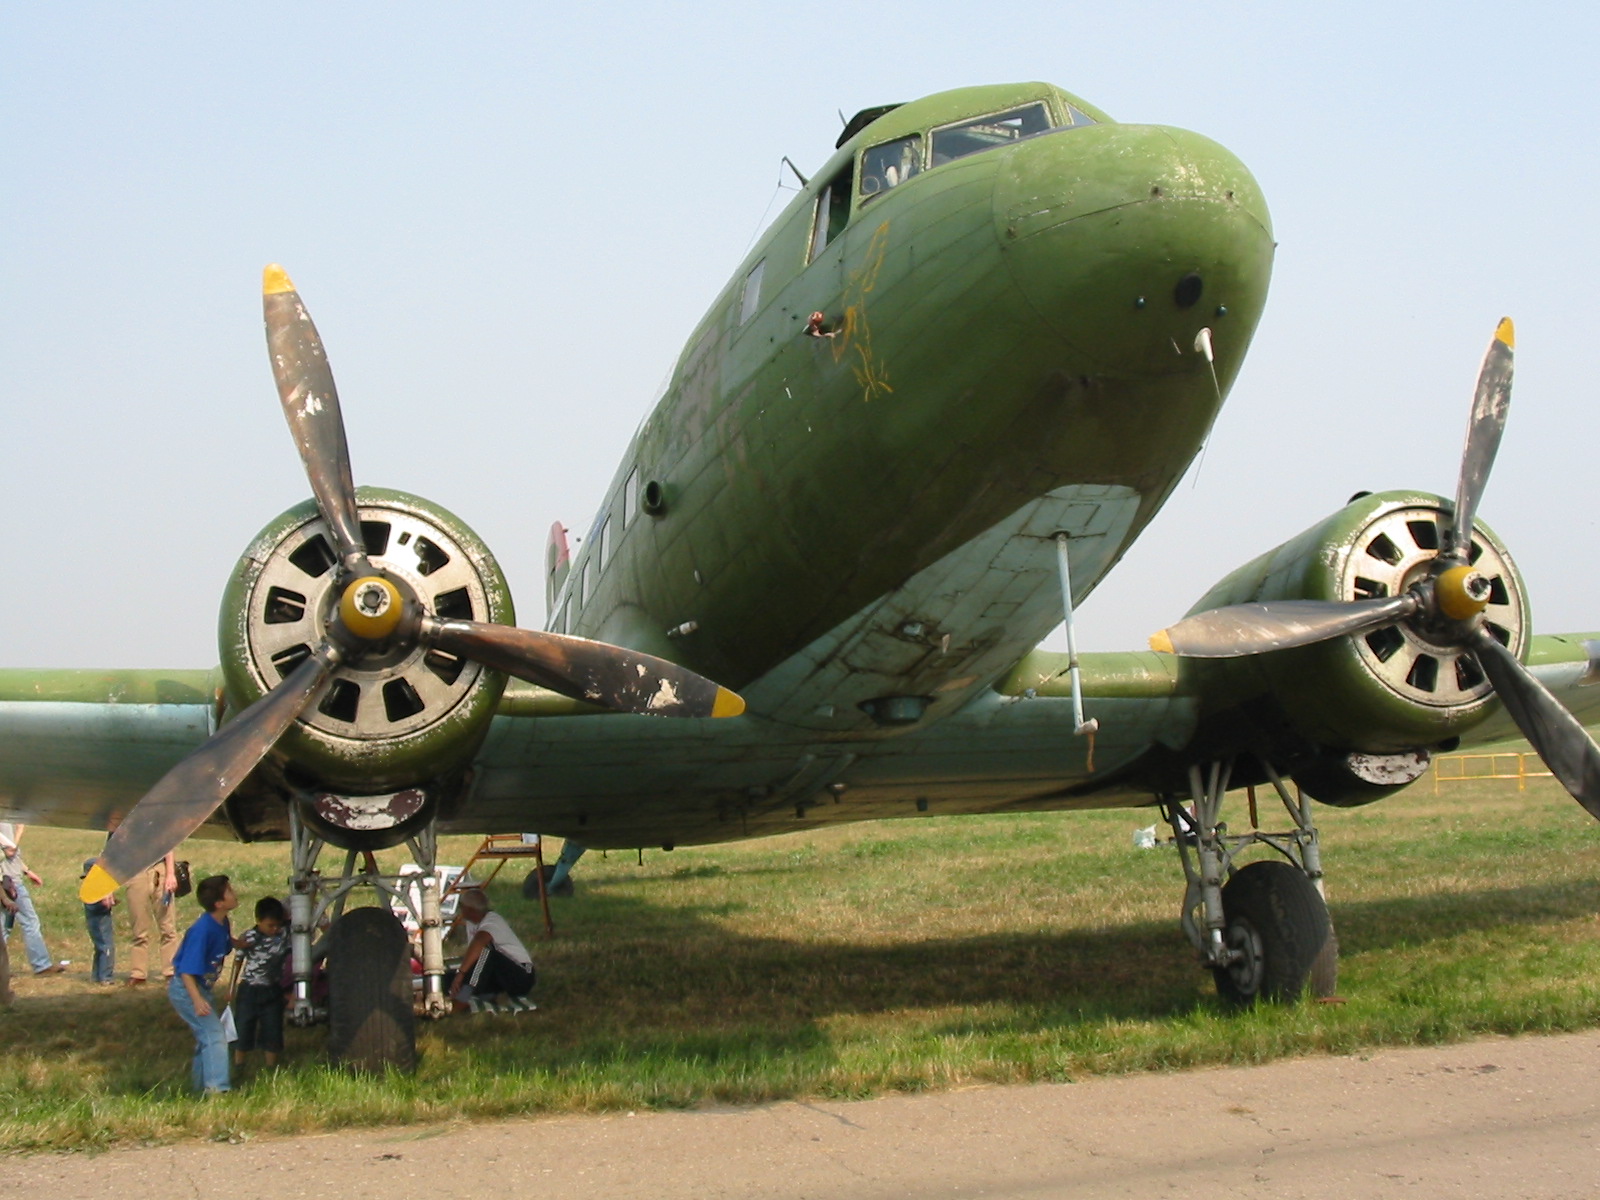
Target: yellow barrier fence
{"type": "Point", "coordinates": [1458, 768]}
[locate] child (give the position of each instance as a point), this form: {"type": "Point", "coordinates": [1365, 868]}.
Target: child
{"type": "Point", "coordinates": [258, 1008]}
{"type": "Point", "coordinates": [205, 944]}
{"type": "Point", "coordinates": [102, 933]}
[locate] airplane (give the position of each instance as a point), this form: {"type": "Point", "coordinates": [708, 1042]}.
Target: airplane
{"type": "Point", "coordinates": [931, 409]}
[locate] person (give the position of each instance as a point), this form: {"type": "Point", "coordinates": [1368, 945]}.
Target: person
{"type": "Point", "coordinates": [7, 907]}
{"type": "Point", "coordinates": [151, 906]}
{"type": "Point", "coordinates": [258, 1004]}
{"type": "Point", "coordinates": [496, 961]}
{"type": "Point", "coordinates": [18, 875]}
{"type": "Point", "coordinates": [102, 933]}
{"type": "Point", "coordinates": [205, 944]}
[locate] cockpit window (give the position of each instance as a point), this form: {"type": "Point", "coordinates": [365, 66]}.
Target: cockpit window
{"type": "Point", "coordinates": [987, 133]}
{"type": "Point", "coordinates": [889, 165]}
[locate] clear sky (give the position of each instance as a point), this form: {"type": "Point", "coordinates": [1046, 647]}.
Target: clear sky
{"type": "Point", "coordinates": [506, 218]}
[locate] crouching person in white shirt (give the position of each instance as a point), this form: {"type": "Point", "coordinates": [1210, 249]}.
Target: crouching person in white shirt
{"type": "Point", "coordinates": [496, 962]}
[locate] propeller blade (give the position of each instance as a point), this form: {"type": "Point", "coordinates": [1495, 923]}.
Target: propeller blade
{"type": "Point", "coordinates": [1557, 736]}
{"type": "Point", "coordinates": [595, 672]}
{"type": "Point", "coordinates": [1242, 629]}
{"type": "Point", "coordinates": [311, 405]}
{"type": "Point", "coordinates": [189, 793]}
{"type": "Point", "coordinates": [1489, 405]}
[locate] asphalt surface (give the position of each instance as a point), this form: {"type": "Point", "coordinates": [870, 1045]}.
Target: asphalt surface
{"type": "Point", "coordinates": [1501, 1118]}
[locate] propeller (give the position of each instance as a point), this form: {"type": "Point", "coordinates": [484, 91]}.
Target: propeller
{"type": "Point", "coordinates": [371, 609]}
{"type": "Point", "coordinates": [1449, 600]}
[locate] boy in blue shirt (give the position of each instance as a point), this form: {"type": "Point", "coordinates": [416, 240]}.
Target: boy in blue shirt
{"type": "Point", "coordinates": [205, 944]}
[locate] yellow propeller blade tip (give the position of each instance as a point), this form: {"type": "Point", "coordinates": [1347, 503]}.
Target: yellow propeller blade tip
{"type": "Point", "coordinates": [1160, 642]}
{"type": "Point", "coordinates": [727, 704]}
{"type": "Point", "coordinates": [97, 885]}
{"type": "Point", "coordinates": [274, 280]}
{"type": "Point", "coordinates": [1507, 333]}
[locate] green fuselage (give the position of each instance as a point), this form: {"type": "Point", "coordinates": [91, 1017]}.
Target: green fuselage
{"type": "Point", "coordinates": [1009, 331]}
{"type": "Point", "coordinates": [850, 518]}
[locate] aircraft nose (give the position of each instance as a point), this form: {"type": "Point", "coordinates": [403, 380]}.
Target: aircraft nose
{"type": "Point", "coordinates": [1130, 239]}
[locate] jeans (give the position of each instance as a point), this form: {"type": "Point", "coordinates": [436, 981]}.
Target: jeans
{"type": "Point", "coordinates": [32, 936]}
{"type": "Point", "coordinates": [209, 1071]}
{"type": "Point", "coordinates": [103, 933]}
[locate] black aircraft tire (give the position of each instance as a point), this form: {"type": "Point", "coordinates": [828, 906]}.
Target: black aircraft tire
{"type": "Point", "coordinates": [530, 883]}
{"type": "Point", "coordinates": [1276, 917]}
{"type": "Point", "coordinates": [1325, 970]}
{"type": "Point", "coordinates": [371, 1025]}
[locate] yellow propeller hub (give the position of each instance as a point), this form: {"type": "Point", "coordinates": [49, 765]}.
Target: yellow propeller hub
{"type": "Point", "coordinates": [1462, 593]}
{"type": "Point", "coordinates": [371, 607]}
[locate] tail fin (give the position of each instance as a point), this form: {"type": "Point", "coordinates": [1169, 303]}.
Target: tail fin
{"type": "Point", "coordinates": [557, 564]}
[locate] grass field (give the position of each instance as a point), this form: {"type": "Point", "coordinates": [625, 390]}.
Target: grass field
{"type": "Point", "coordinates": [848, 961]}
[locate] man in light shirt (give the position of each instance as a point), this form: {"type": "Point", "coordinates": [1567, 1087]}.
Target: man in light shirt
{"type": "Point", "coordinates": [496, 961]}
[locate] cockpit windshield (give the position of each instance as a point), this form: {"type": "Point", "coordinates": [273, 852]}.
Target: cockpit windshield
{"type": "Point", "coordinates": [987, 133]}
{"type": "Point", "coordinates": [889, 165]}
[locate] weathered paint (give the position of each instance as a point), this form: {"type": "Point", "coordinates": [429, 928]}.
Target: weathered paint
{"type": "Point", "coordinates": [867, 514]}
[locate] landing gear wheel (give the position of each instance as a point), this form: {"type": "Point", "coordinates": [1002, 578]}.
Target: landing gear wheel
{"type": "Point", "coordinates": [1280, 926]}
{"type": "Point", "coordinates": [371, 1025]}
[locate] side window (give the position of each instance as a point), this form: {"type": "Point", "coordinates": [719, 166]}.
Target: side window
{"type": "Point", "coordinates": [588, 578]}
{"type": "Point", "coordinates": [605, 543]}
{"type": "Point", "coordinates": [889, 165]}
{"type": "Point", "coordinates": [630, 498]}
{"type": "Point", "coordinates": [561, 619]}
{"type": "Point", "coordinates": [752, 292]}
{"type": "Point", "coordinates": [833, 210]}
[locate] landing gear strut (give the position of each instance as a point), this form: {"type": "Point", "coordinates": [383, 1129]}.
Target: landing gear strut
{"type": "Point", "coordinates": [1262, 929]}
{"type": "Point", "coordinates": [365, 949]}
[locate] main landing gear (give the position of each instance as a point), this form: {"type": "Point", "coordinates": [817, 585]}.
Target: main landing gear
{"type": "Point", "coordinates": [370, 1008]}
{"type": "Point", "coordinates": [1263, 929]}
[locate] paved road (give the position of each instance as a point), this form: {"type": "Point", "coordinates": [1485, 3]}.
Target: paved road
{"type": "Point", "coordinates": [1502, 1118]}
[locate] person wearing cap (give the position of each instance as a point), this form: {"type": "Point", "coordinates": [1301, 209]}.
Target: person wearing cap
{"type": "Point", "coordinates": [496, 962]}
{"type": "Point", "coordinates": [17, 877]}
{"type": "Point", "coordinates": [102, 933]}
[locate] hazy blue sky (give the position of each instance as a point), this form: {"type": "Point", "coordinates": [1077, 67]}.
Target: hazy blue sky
{"type": "Point", "coordinates": [506, 223]}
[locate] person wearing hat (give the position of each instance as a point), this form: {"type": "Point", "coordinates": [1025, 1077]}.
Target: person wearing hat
{"type": "Point", "coordinates": [102, 933]}
{"type": "Point", "coordinates": [17, 876]}
{"type": "Point", "coordinates": [496, 961]}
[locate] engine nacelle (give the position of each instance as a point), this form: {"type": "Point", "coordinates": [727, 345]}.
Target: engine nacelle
{"type": "Point", "coordinates": [1389, 692]}
{"type": "Point", "coordinates": [400, 717]}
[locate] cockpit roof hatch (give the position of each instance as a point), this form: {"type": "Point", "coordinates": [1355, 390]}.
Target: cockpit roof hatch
{"type": "Point", "coordinates": [861, 120]}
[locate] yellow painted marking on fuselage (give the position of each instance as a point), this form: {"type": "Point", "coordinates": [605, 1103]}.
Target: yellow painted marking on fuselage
{"type": "Point", "coordinates": [1160, 642]}
{"type": "Point", "coordinates": [275, 280]}
{"type": "Point", "coordinates": [1506, 332]}
{"type": "Point", "coordinates": [855, 334]}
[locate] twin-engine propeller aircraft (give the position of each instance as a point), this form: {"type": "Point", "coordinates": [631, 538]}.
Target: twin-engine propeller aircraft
{"type": "Point", "coordinates": [934, 406]}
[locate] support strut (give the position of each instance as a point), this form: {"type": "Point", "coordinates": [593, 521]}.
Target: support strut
{"type": "Point", "coordinates": [1207, 849]}
{"type": "Point", "coordinates": [313, 897]}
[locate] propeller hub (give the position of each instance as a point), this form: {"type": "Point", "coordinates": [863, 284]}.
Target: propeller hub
{"type": "Point", "coordinates": [371, 608]}
{"type": "Point", "coordinates": [1462, 592]}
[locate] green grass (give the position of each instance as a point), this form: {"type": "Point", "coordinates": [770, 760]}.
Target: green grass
{"type": "Point", "coordinates": [850, 961]}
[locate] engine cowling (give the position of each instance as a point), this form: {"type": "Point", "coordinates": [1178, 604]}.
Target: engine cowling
{"type": "Point", "coordinates": [397, 718]}
{"type": "Point", "coordinates": [1390, 692]}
